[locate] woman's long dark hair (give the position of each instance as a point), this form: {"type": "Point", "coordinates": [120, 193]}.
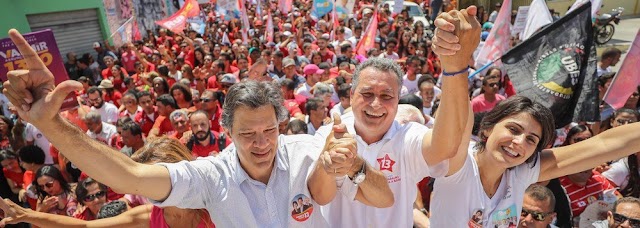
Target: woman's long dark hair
{"type": "Point", "coordinates": [55, 174]}
{"type": "Point", "coordinates": [573, 131]}
{"type": "Point", "coordinates": [633, 186]}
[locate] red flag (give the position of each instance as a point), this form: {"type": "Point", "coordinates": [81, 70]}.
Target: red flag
{"type": "Point", "coordinates": [177, 21]}
{"type": "Point", "coordinates": [269, 32]}
{"type": "Point", "coordinates": [627, 79]}
{"type": "Point", "coordinates": [136, 30]}
{"type": "Point", "coordinates": [245, 22]}
{"type": "Point", "coordinates": [369, 37]}
{"type": "Point", "coordinates": [499, 39]}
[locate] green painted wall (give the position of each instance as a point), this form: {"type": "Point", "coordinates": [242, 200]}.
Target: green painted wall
{"type": "Point", "coordinates": [13, 13]}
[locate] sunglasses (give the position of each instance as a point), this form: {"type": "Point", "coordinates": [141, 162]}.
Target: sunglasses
{"type": "Point", "coordinates": [625, 121]}
{"type": "Point", "coordinates": [580, 139]}
{"type": "Point", "coordinates": [619, 219]}
{"type": "Point", "coordinates": [538, 216]}
{"type": "Point", "coordinates": [206, 99]}
{"type": "Point", "coordinates": [99, 194]}
{"type": "Point", "coordinates": [494, 84]}
{"type": "Point", "coordinates": [47, 185]}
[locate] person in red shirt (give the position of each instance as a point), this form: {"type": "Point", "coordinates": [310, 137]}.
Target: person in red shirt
{"type": "Point", "coordinates": [109, 61]}
{"type": "Point", "coordinates": [162, 126]}
{"type": "Point", "coordinates": [110, 94]}
{"type": "Point", "coordinates": [211, 105]}
{"type": "Point", "coordinates": [179, 120]}
{"type": "Point", "coordinates": [327, 55]}
{"type": "Point", "coordinates": [149, 113]}
{"type": "Point", "coordinates": [204, 142]}
{"type": "Point", "coordinates": [92, 195]}
{"type": "Point", "coordinates": [12, 171]}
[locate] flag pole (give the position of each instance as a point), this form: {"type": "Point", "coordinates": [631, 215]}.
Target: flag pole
{"type": "Point", "coordinates": [483, 67]}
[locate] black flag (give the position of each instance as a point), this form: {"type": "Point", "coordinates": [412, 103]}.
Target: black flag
{"type": "Point", "coordinates": [557, 68]}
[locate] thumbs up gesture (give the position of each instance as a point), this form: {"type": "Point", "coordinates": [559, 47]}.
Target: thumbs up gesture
{"type": "Point", "coordinates": [340, 151]}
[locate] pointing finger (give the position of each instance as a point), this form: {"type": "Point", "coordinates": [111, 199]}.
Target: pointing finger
{"type": "Point", "coordinates": [30, 56]}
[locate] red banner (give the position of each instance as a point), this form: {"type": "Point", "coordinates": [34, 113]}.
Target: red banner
{"type": "Point", "coordinates": [627, 79]}
{"type": "Point", "coordinates": [369, 37]}
{"type": "Point", "coordinates": [177, 21]}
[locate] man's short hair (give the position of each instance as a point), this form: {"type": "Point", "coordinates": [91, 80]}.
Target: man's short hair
{"type": "Point", "coordinates": [297, 127]}
{"type": "Point", "coordinates": [94, 89]}
{"type": "Point", "coordinates": [611, 52]}
{"type": "Point", "coordinates": [288, 83]}
{"type": "Point", "coordinates": [199, 112]}
{"type": "Point", "coordinates": [122, 120]}
{"type": "Point", "coordinates": [409, 113]}
{"type": "Point", "coordinates": [93, 117]}
{"type": "Point", "coordinates": [312, 104]}
{"type": "Point", "coordinates": [344, 90]}
{"type": "Point", "coordinates": [252, 94]}
{"type": "Point", "coordinates": [178, 113]}
{"type": "Point", "coordinates": [111, 209]}
{"type": "Point", "coordinates": [320, 89]}
{"type": "Point", "coordinates": [143, 93]}
{"type": "Point", "coordinates": [379, 64]}
{"type": "Point", "coordinates": [132, 127]}
{"type": "Point", "coordinates": [344, 47]}
{"type": "Point", "coordinates": [541, 193]}
{"type": "Point", "coordinates": [31, 154]}
{"type": "Point", "coordinates": [626, 200]}
{"type": "Point", "coordinates": [167, 100]}
{"type": "Point", "coordinates": [426, 78]}
{"type": "Point", "coordinates": [411, 99]}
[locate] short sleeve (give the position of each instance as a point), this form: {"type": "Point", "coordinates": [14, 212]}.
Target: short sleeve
{"type": "Point", "coordinates": [617, 173]}
{"type": "Point", "coordinates": [417, 164]}
{"type": "Point", "coordinates": [194, 184]}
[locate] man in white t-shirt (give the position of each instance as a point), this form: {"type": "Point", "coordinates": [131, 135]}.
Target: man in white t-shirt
{"type": "Point", "coordinates": [98, 129]}
{"type": "Point", "coordinates": [405, 154]}
{"type": "Point", "coordinates": [390, 53]}
{"type": "Point", "coordinates": [33, 136]}
{"type": "Point", "coordinates": [610, 57]}
{"type": "Point", "coordinates": [410, 80]}
{"type": "Point", "coordinates": [345, 100]}
{"type": "Point", "coordinates": [108, 111]}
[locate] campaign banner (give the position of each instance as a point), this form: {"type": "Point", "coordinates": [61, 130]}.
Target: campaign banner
{"type": "Point", "coordinates": [177, 21]}
{"type": "Point", "coordinates": [521, 20]}
{"type": "Point", "coordinates": [44, 43]}
{"type": "Point", "coordinates": [230, 9]}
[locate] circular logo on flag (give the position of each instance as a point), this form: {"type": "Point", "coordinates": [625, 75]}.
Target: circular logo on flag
{"type": "Point", "coordinates": [558, 70]}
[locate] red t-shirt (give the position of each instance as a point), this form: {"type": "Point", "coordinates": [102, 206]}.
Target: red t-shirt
{"type": "Point", "coordinates": [17, 178]}
{"type": "Point", "coordinates": [157, 219]}
{"type": "Point", "coordinates": [27, 180]}
{"type": "Point", "coordinates": [292, 106]}
{"type": "Point", "coordinates": [145, 122]}
{"type": "Point", "coordinates": [328, 56]}
{"type": "Point", "coordinates": [113, 98]}
{"type": "Point", "coordinates": [198, 150]}
{"type": "Point", "coordinates": [581, 196]}
{"type": "Point", "coordinates": [85, 215]}
{"type": "Point", "coordinates": [212, 83]}
{"type": "Point", "coordinates": [163, 124]}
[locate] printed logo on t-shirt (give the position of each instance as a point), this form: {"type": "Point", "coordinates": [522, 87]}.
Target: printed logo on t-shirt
{"type": "Point", "coordinates": [386, 163]}
{"type": "Point", "coordinates": [302, 208]}
{"type": "Point", "coordinates": [476, 219]}
{"type": "Point", "coordinates": [506, 218]}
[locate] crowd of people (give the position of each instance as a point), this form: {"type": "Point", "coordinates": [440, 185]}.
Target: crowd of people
{"type": "Point", "coordinates": [286, 130]}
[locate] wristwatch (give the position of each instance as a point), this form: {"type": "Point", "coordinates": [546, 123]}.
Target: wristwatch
{"type": "Point", "coordinates": [360, 175]}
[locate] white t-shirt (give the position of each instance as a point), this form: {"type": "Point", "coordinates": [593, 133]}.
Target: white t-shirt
{"type": "Point", "coordinates": [303, 90]}
{"type": "Point", "coordinates": [337, 109]}
{"type": "Point", "coordinates": [393, 56]}
{"type": "Point", "coordinates": [108, 112]}
{"type": "Point", "coordinates": [459, 198]}
{"type": "Point", "coordinates": [33, 134]}
{"type": "Point", "coordinates": [108, 131]}
{"type": "Point", "coordinates": [399, 156]}
{"type": "Point", "coordinates": [177, 76]}
{"type": "Point", "coordinates": [618, 173]}
{"type": "Point", "coordinates": [603, 71]}
{"type": "Point", "coordinates": [4, 102]}
{"type": "Point", "coordinates": [412, 86]}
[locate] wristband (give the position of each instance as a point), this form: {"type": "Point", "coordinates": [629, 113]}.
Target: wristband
{"type": "Point", "coordinates": [444, 73]}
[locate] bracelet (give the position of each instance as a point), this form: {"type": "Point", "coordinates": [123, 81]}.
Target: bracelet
{"type": "Point", "coordinates": [444, 73]}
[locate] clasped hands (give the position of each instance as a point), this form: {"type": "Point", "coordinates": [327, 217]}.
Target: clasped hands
{"type": "Point", "coordinates": [340, 154]}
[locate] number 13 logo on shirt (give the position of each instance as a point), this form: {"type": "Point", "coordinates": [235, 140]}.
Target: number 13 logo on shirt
{"type": "Point", "coordinates": [386, 163]}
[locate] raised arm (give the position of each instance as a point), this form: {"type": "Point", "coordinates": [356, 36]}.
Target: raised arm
{"type": "Point", "coordinates": [457, 36]}
{"type": "Point", "coordinates": [610, 145]}
{"type": "Point", "coordinates": [38, 101]}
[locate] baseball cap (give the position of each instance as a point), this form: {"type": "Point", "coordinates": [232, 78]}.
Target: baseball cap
{"type": "Point", "coordinates": [106, 84]}
{"type": "Point", "coordinates": [228, 78]}
{"type": "Point", "coordinates": [312, 69]}
{"type": "Point", "coordinates": [288, 62]}
{"type": "Point", "coordinates": [366, 11]}
{"type": "Point", "coordinates": [286, 33]}
{"type": "Point", "coordinates": [97, 45]}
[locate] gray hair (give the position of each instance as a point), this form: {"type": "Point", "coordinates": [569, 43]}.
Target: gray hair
{"type": "Point", "coordinates": [379, 64]}
{"type": "Point", "coordinates": [252, 94]}
{"type": "Point", "coordinates": [93, 116]}
{"type": "Point", "coordinates": [321, 89]}
{"type": "Point", "coordinates": [408, 113]}
{"type": "Point", "coordinates": [177, 113]}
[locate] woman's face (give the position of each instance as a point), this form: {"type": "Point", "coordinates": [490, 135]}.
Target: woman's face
{"type": "Point", "coordinates": [623, 118]}
{"type": "Point", "coordinates": [580, 137]}
{"type": "Point", "coordinates": [4, 128]}
{"type": "Point", "coordinates": [513, 140]}
{"type": "Point", "coordinates": [96, 197]}
{"type": "Point", "coordinates": [130, 102]}
{"type": "Point", "coordinates": [49, 185]}
{"type": "Point", "coordinates": [317, 59]}
{"type": "Point", "coordinates": [11, 164]}
{"type": "Point", "coordinates": [199, 55]}
{"type": "Point", "coordinates": [406, 37]}
{"type": "Point", "coordinates": [116, 72]}
{"type": "Point", "coordinates": [158, 86]}
{"type": "Point", "coordinates": [178, 95]}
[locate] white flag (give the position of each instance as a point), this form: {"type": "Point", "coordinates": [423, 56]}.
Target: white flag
{"type": "Point", "coordinates": [537, 18]}
{"type": "Point", "coordinates": [595, 6]}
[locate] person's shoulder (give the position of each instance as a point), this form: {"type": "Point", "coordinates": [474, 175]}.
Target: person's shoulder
{"type": "Point", "coordinates": [110, 107]}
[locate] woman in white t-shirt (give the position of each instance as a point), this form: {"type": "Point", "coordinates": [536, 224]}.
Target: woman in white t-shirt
{"type": "Point", "coordinates": [491, 178]}
{"type": "Point", "coordinates": [619, 172]}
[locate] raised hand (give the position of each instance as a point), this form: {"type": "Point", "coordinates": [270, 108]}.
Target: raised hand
{"type": "Point", "coordinates": [340, 151]}
{"type": "Point", "coordinates": [456, 38]}
{"type": "Point", "coordinates": [33, 91]}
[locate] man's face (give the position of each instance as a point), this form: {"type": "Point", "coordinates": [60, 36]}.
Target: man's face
{"type": "Point", "coordinates": [319, 113]}
{"type": "Point", "coordinates": [349, 53]}
{"type": "Point", "coordinates": [427, 92]}
{"type": "Point", "coordinates": [255, 134]}
{"type": "Point", "coordinates": [108, 62]}
{"type": "Point", "coordinates": [534, 210]}
{"type": "Point", "coordinates": [289, 71]}
{"type": "Point", "coordinates": [375, 102]}
{"type": "Point", "coordinates": [95, 100]}
{"type": "Point", "coordinates": [208, 103]}
{"type": "Point", "coordinates": [200, 126]}
{"type": "Point", "coordinates": [322, 44]}
{"type": "Point", "coordinates": [625, 213]}
{"type": "Point", "coordinates": [162, 109]}
{"type": "Point", "coordinates": [243, 64]}
{"type": "Point", "coordinates": [146, 103]}
{"type": "Point", "coordinates": [180, 124]}
{"type": "Point", "coordinates": [130, 140]}
{"type": "Point", "coordinates": [94, 126]}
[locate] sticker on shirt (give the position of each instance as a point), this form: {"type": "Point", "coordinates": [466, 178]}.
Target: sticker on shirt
{"type": "Point", "coordinates": [476, 219]}
{"type": "Point", "coordinates": [506, 218]}
{"type": "Point", "coordinates": [302, 208]}
{"type": "Point", "coordinates": [388, 163]}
